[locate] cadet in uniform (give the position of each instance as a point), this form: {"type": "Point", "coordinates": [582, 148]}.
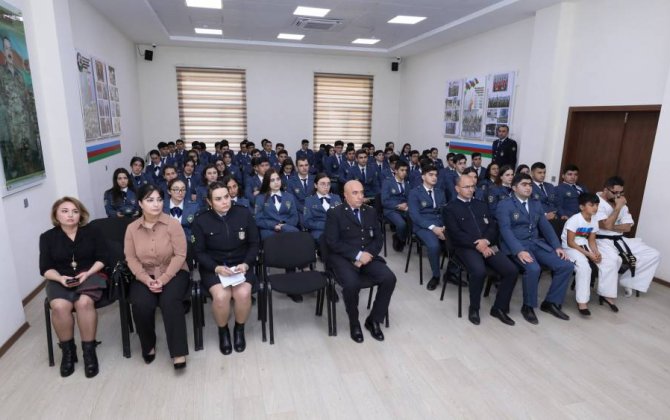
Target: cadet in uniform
{"type": "Point", "coordinates": [567, 193]}
{"type": "Point", "coordinates": [521, 223]}
{"type": "Point", "coordinates": [180, 208]}
{"type": "Point", "coordinates": [302, 184]}
{"type": "Point", "coordinates": [276, 211]}
{"type": "Point", "coordinates": [394, 203]}
{"type": "Point", "coordinates": [120, 200]}
{"type": "Point", "coordinates": [354, 240]}
{"type": "Point", "coordinates": [317, 205]}
{"type": "Point", "coordinates": [307, 153]}
{"type": "Point", "coordinates": [473, 233]}
{"type": "Point", "coordinates": [366, 173]}
{"type": "Point", "coordinates": [502, 191]}
{"type": "Point", "coordinates": [504, 149]}
{"type": "Point", "coordinates": [137, 177]}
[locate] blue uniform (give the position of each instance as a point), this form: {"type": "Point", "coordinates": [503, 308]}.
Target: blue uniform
{"type": "Point", "coordinates": [370, 181]}
{"type": "Point", "coordinates": [308, 154]}
{"type": "Point", "coordinates": [189, 210]}
{"type": "Point", "coordinates": [139, 180]}
{"type": "Point", "coordinates": [272, 157]}
{"type": "Point", "coordinates": [251, 185]}
{"type": "Point", "coordinates": [314, 215]}
{"type": "Point", "coordinates": [267, 215]}
{"type": "Point", "coordinates": [301, 190]}
{"type": "Point", "coordinates": [236, 172]}
{"type": "Point", "coordinates": [414, 176]}
{"type": "Point", "coordinates": [393, 194]}
{"type": "Point", "coordinates": [447, 182]}
{"type": "Point", "coordinates": [545, 195]}
{"type": "Point", "coordinates": [481, 173]}
{"type": "Point", "coordinates": [241, 201]}
{"type": "Point", "coordinates": [530, 231]}
{"type": "Point", "coordinates": [243, 160]}
{"type": "Point", "coordinates": [192, 183]}
{"type": "Point", "coordinates": [153, 173]}
{"type": "Point", "coordinates": [345, 168]}
{"type": "Point", "coordinates": [127, 205]}
{"type": "Point", "coordinates": [567, 198]}
{"type": "Point", "coordinates": [424, 214]}
{"type": "Point", "coordinates": [497, 194]}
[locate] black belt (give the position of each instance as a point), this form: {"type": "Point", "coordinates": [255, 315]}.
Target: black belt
{"type": "Point", "coordinates": [628, 259]}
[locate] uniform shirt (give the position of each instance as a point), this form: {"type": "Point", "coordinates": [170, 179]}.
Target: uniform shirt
{"type": "Point", "coordinates": [159, 251]}
{"type": "Point", "coordinates": [314, 215]}
{"type": "Point", "coordinates": [504, 152]}
{"type": "Point", "coordinates": [127, 205]}
{"type": "Point", "coordinates": [605, 209]}
{"type": "Point", "coordinates": [301, 190]}
{"type": "Point", "coordinates": [267, 215]}
{"type": "Point", "coordinates": [497, 194]}
{"type": "Point", "coordinates": [57, 250]}
{"type": "Point", "coordinates": [581, 228]}
{"type": "Point", "coordinates": [189, 209]}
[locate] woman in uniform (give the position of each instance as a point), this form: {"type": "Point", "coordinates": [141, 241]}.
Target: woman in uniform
{"type": "Point", "coordinates": [317, 205]}
{"type": "Point", "coordinates": [120, 200]}
{"type": "Point", "coordinates": [502, 190]}
{"type": "Point", "coordinates": [276, 210]}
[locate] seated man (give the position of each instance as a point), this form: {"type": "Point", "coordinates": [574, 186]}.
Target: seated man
{"type": "Point", "coordinates": [473, 232]}
{"type": "Point", "coordinates": [394, 202]}
{"type": "Point", "coordinates": [354, 240]}
{"type": "Point", "coordinates": [301, 185]}
{"type": "Point", "coordinates": [567, 193]}
{"type": "Point", "coordinates": [425, 206]}
{"type": "Point", "coordinates": [544, 191]}
{"type": "Point", "coordinates": [639, 259]}
{"type": "Point", "coordinates": [529, 238]}
{"type": "Point", "coordinates": [366, 174]}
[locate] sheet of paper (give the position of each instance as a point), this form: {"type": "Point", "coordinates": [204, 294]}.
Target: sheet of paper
{"type": "Point", "coordinates": [233, 280]}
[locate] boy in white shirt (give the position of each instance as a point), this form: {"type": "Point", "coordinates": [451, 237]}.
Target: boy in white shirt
{"type": "Point", "coordinates": [579, 241]}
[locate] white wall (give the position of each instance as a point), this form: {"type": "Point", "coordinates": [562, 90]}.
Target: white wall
{"type": "Point", "coordinates": [279, 91]}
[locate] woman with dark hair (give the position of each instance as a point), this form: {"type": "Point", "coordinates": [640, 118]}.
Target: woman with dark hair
{"type": "Point", "coordinates": [502, 190]}
{"type": "Point", "coordinates": [405, 152]}
{"type": "Point", "coordinates": [491, 178]}
{"type": "Point", "coordinates": [236, 192]}
{"type": "Point", "coordinates": [522, 169]}
{"type": "Point", "coordinates": [120, 200]}
{"type": "Point", "coordinates": [71, 257]}
{"type": "Point", "coordinates": [137, 176]}
{"type": "Point", "coordinates": [155, 248]}
{"type": "Point", "coordinates": [178, 207]}
{"type": "Point", "coordinates": [287, 171]}
{"type": "Point", "coordinates": [318, 204]}
{"type": "Point", "coordinates": [226, 245]}
{"type": "Point", "coordinates": [276, 210]}
{"type": "Point", "coordinates": [210, 174]}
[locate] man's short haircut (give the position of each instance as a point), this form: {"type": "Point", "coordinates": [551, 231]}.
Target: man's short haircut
{"type": "Point", "coordinates": [476, 155]}
{"type": "Point", "coordinates": [166, 167]}
{"type": "Point", "coordinates": [136, 159]}
{"type": "Point", "coordinates": [395, 158]}
{"type": "Point", "coordinates": [279, 145]}
{"type": "Point", "coordinates": [258, 160]}
{"type": "Point", "coordinates": [351, 145]}
{"type": "Point", "coordinates": [264, 141]}
{"type": "Point", "coordinates": [179, 141]}
{"type": "Point", "coordinates": [339, 143]}
{"type": "Point", "coordinates": [433, 149]}
{"type": "Point", "coordinates": [304, 141]}
{"type": "Point", "coordinates": [413, 152]}
{"type": "Point", "coordinates": [361, 152]}
{"type": "Point", "coordinates": [469, 170]}
{"type": "Point", "coordinates": [520, 177]}
{"type": "Point", "coordinates": [161, 145]}
{"type": "Point", "coordinates": [503, 126]}
{"type": "Point", "coordinates": [227, 153]}
{"type": "Point", "coordinates": [154, 152]}
{"type": "Point", "coordinates": [301, 158]}
{"type": "Point", "coordinates": [170, 143]}
{"type": "Point", "coordinates": [458, 157]}
{"type": "Point", "coordinates": [388, 149]}
{"type": "Point", "coordinates": [450, 155]}
{"type": "Point", "coordinates": [244, 142]}
{"type": "Point", "coordinates": [378, 152]}
{"type": "Point", "coordinates": [400, 164]}
{"type": "Point", "coordinates": [587, 197]}
{"type": "Point", "coordinates": [428, 168]}
{"type": "Point", "coordinates": [349, 149]}
{"type": "Point", "coordinates": [538, 165]}
{"type": "Point", "coordinates": [613, 181]}
{"type": "Point", "coordinates": [389, 143]}
{"type": "Point", "coordinates": [224, 142]}
{"type": "Point", "coordinates": [282, 152]}
{"type": "Point", "coordinates": [569, 168]}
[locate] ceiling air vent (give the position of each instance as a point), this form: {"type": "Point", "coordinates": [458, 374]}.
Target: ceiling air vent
{"type": "Point", "coordinates": [317, 23]}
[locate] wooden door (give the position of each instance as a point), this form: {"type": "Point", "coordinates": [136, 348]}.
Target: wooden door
{"type": "Point", "coordinates": [607, 141]}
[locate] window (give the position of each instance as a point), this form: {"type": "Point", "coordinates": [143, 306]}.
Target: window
{"type": "Point", "coordinates": [342, 108]}
{"type": "Point", "coordinates": [212, 105]}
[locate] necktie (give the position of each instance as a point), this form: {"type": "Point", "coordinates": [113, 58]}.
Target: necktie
{"type": "Point", "coordinates": [339, 159]}
{"type": "Point", "coordinates": [357, 213]}
{"type": "Point", "coordinates": [578, 189]}
{"type": "Point", "coordinates": [304, 184]}
{"type": "Point", "coordinates": [525, 206]}
{"type": "Point", "coordinates": [188, 183]}
{"type": "Point", "coordinates": [430, 193]}
{"type": "Point", "coordinates": [402, 190]}
{"type": "Point", "coordinates": [277, 200]}
{"type": "Point", "coordinates": [325, 202]}
{"type": "Point", "coordinates": [542, 188]}
{"type": "Point", "coordinates": [363, 175]}
{"type": "Point", "coordinates": [176, 211]}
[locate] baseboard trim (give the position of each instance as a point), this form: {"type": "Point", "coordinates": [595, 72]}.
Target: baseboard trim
{"type": "Point", "coordinates": [661, 282]}
{"type": "Point", "coordinates": [26, 300]}
{"type": "Point", "coordinates": [14, 338]}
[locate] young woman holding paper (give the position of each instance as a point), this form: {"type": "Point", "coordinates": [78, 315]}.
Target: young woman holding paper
{"type": "Point", "coordinates": [226, 245]}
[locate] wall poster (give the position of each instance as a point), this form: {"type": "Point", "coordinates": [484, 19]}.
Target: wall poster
{"type": "Point", "coordinates": [89, 105]}
{"type": "Point", "coordinates": [452, 108]}
{"type": "Point", "coordinates": [20, 146]}
{"type": "Point", "coordinates": [473, 107]}
{"type": "Point", "coordinates": [498, 102]}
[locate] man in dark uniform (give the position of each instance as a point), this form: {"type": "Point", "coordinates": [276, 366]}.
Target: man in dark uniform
{"type": "Point", "coordinates": [306, 152]}
{"type": "Point", "coordinates": [504, 149]}
{"type": "Point", "coordinates": [473, 232]}
{"type": "Point", "coordinates": [354, 239]}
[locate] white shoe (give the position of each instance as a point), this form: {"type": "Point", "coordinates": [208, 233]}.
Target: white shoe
{"type": "Point", "coordinates": [628, 292]}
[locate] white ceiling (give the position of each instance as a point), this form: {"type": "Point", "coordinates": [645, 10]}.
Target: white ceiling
{"type": "Point", "coordinates": [254, 24]}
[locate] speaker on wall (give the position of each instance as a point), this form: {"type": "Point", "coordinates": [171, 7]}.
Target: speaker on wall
{"type": "Point", "coordinates": [148, 55]}
{"type": "Point", "coordinates": [395, 66]}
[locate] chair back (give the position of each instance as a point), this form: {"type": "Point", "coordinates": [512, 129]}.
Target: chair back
{"type": "Point", "coordinates": [289, 250]}
{"type": "Point", "coordinates": [378, 207]}
{"type": "Point", "coordinates": [113, 232]}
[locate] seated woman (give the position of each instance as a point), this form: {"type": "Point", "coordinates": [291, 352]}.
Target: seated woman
{"type": "Point", "coordinates": [317, 205]}
{"type": "Point", "coordinates": [226, 243]}
{"type": "Point", "coordinates": [155, 248]}
{"type": "Point", "coordinates": [276, 210]}
{"type": "Point", "coordinates": [287, 171]}
{"type": "Point", "coordinates": [178, 207]}
{"type": "Point", "coordinates": [236, 195]}
{"type": "Point", "coordinates": [137, 176]}
{"type": "Point", "coordinates": [120, 200]}
{"type": "Point", "coordinates": [491, 178]}
{"type": "Point", "coordinates": [209, 175]}
{"type": "Point", "coordinates": [522, 169]}
{"type": "Point", "coordinates": [501, 191]}
{"type": "Point", "coordinates": [71, 257]}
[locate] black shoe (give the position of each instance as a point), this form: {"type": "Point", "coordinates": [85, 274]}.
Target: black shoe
{"type": "Point", "coordinates": [180, 365]}
{"type": "Point", "coordinates": [453, 279]}
{"type": "Point", "coordinates": [356, 332]}
{"type": "Point", "coordinates": [584, 311]}
{"type": "Point", "coordinates": [240, 342]}
{"type": "Point", "coordinates": [148, 358]}
{"type": "Point", "coordinates": [553, 309]}
{"type": "Point", "coordinates": [91, 367]}
{"type": "Point", "coordinates": [529, 314]}
{"type": "Point", "coordinates": [612, 306]}
{"type": "Point", "coordinates": [374, 328]}
{"type": "Point", "coordinates": [225, 346]}
{"type": "Point", "coordinates": [502, 316]}
{"type": "Point", "coordinates": [69, 357]}
{"type": "Point", "coordinates": [295, 298]}
{"type": "Point", "coordinates": [473, 316]}
{"type": "Point", "coordinates": [432, 283]}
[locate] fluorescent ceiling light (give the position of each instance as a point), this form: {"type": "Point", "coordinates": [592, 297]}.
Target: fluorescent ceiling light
{"type": "Point", "coordinates": [294, 37]}
{"type": "Point", "coordinates": [208, 31]}
{"type": "Point", "coordinates": [310, 11]}
{"type": "Point", "coordinates": [407, 20]}
{"type": "Point", "coordinates": [366, 41]}
{"type": "Point", "coordinates": [205, 4]}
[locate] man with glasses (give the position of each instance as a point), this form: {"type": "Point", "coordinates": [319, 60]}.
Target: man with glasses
{"type": "Point", "coordinates": [473, 233]}
{"type": "Point", "coordinates": [528, 237]}
{"type": "Point", "coordinates": [640, 261]}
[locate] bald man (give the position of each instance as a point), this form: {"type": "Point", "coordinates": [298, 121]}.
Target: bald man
{"type": "Point", "coordinates": [354, 240]}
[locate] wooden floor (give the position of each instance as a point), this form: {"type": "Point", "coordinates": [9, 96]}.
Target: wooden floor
{"type": "Point", "coordinates": [432, 365]}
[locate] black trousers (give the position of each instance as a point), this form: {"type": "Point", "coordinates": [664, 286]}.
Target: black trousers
{"type": "Point", "coordinates": [475, 264]}
{"type": "Point", "coordinates": [170, 300]}
{"type": "Point", "coordinates": [349, 277]}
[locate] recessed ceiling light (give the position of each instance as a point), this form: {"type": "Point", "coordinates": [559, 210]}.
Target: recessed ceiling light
{"type": "Point", "coordinates": [205, 4]}
{"type": "Point", "coordinates": [310, 11]}
{"type": "Point", "coordinates": [407, 20]}
{"type": "Point", "coordinates": [294, 37]}
{"type": "Point", "coordinates": [208, 31]}
{"type": "Point", "coordinates": [366, 41]}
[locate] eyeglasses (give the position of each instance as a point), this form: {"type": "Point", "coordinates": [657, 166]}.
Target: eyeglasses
{"type": "Point", "coordinates": [616, 193]}
{"type": "Point", "coordinates": [178, 190]}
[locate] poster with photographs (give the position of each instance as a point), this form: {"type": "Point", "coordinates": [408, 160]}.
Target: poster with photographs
{"type": "Point", "coordinates": [114, 105]}
{"type": "Point", "coordinates": [474, 95]}
{"type": "Point", "coordinates": [452, 108]}
{"type": "Point", "coordinates": [102, 95]}
{"type": "Point", "coordinates": [89, 105]}
{"type": "Point", "coordinates": [498, 102]}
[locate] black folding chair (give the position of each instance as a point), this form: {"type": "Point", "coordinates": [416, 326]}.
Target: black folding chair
{"type": "Point", "coordinates": [379, 209]}
{"type": "Point", "coordinates": [294, 250]}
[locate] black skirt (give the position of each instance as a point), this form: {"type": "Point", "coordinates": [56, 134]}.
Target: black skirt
{"type": "Point", "coordinates": [91, 287]}
{"type": "Point", "coordinates": [209, 279]}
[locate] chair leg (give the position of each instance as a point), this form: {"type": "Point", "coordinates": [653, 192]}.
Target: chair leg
{"type": "Point", "coordinates": [50, 344]}
{"type": "Point", "coordinates": [328, 296]}
{"type": "Point", "coordinates": [124, 311]}
{"type": "Point", "coordinates": [320, 294]}
{"type": "Point", "coordinates": [409, 254]}
{"type": "Point", "coordinates": [489, 283]}
{"type": "Point", "coordinates": [196, 304]}
{"type": "Point", "coordinates": [387, 319]}
{"type": "Point", "coordinates": [334, 319]}
{"type": "Point", "coordinates": [262, 310]}
{"type": "Point", "coordinates": [419, 250]}
{"type": "Point", "coordinates": [384, 236]}
{"type": "Point", "coordinates": [444, 257]}
{"type": "Point", "coordinates": [460, 292]}
{"type": "Point", "coordinates": [444, 288]}
{"type": "Point", "coordinates": [370, 297]}
{"type": "Point", "coordinates": [268, 291]}
{"type": "Point", "coordinates": [637, 293]}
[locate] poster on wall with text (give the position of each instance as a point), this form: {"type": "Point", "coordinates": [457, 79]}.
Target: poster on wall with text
{"type": "Point", "coordinates": [20, 145]}
{"type": "Point", "coordinates": [89, 105]}
{"type": "Point", "coordinates": [114, 104]}
{"type": "Point", "coordinates": [498, 102]}
{"type": "Point", "coordinates": [452, 108]}
{"type": "Point", "coordinates": [474, 93]}
{"type": "Point", "coordinates": [102, 95]}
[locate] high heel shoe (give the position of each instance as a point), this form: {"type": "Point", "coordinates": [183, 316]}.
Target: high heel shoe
{"type": "Point", "coordinates": [180, 365]}
{"type": "Point", "coordinates": [148, 358]}
{"type": "Point", "coordinates": [612, 306]}
{"type": "Point", "coordinates": [584, 311]}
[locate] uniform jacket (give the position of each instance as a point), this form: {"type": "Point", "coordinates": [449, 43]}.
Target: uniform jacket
{"type": "Point", "coordinates": [314, 215]}
{"type": "Point", "coordinates": [468, 222]}
{"type": "Point", "coordinates": [421, 209]}
{"type": "Point", "coordinates": [392, 196]}
{"type": "Point", "coordinates": [519, 229]}
{"type": "Point", "coordinates": [547, 198]}
{"type": "Point", "coordinates": [346, 236]}
{"type": "Point", "coordinates": [267, 216]}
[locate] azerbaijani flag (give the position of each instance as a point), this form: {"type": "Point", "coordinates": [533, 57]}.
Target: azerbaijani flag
{"type": "Point", "coordinates": [468, 148]}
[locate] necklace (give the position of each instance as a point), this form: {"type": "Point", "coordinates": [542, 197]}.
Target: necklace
{"type": "Point", "coordinates": [73, 264]}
